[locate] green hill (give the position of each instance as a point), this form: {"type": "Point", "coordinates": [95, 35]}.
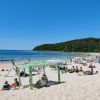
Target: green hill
{"type": "Point", "coordinates": [78, 45]}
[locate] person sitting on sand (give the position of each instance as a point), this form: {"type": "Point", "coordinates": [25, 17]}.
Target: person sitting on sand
{"type": "Point", "coordinates": [22, 73]}
{"type": "Point", "coordinates": [87, 72]}
{"type": "Point", "coordinates": [81, 70]}
{"type": "Point", "coordinates": [38, 84]}
{"type": "Point", "coordinates": [6, 86]}
{"type": "Point", "coordinates": [72, 70]}
{"type": "Point", "coordinates": [15, 84]}
{"type": "Point", "coordinates": [42, 82]}
{"type": "Point", "coordinates": [44, 77]}
{"type": "Point", "coordinates": [76, 69]}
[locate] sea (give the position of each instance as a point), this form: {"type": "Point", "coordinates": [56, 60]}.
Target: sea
{"type": "Point", "coordinates": [19, 55]}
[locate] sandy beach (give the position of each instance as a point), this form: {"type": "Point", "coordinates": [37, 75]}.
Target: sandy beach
{"type": "Point", "coordinates": [49, 49]}
{"type": "Point", "coordinates": [72, 87]}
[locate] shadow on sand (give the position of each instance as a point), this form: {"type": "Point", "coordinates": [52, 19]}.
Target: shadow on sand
{"type": "Point", "coordinates": [50, 83]}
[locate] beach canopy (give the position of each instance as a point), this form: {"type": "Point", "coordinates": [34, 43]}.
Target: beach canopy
{"type": "Point", "coordinates": [41, 63]}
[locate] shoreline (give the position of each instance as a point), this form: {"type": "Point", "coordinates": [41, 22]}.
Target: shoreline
{"type": "Point", "coordinates": [68, 52]}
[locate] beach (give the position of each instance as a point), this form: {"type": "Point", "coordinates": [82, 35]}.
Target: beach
{"type": "Point", "coordinates": [73, 86]}
{"type": "Point", "coordinates": [50, 50]}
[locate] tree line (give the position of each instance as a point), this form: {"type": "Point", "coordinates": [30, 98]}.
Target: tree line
{"type": "Point", "coordinates": [78, 45]}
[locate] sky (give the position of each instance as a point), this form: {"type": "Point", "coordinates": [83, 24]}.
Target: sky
{"type": "Point", "coordinates": [25, 24]}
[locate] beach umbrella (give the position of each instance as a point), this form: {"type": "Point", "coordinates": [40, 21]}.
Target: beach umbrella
{"type": "Point", "coordinates": [91, 66]}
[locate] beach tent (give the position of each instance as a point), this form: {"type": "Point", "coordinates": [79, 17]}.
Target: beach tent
{"type": "Point", "coordinates": [40, 64]}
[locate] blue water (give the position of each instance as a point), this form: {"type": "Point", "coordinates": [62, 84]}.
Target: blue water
{"type": "Point", "coordinates": [34, 55]}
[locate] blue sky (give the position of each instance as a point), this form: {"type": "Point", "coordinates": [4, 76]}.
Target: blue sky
{"type": "Point", "coordinates": [27, 23]}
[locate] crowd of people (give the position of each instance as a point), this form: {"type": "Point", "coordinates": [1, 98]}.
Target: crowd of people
{"type": "Point", "coordinates": [80, 70]}
{"type": "Point", "coordinates": [75, 69]}
{"type": "Point", "coordinates": [43, 81]}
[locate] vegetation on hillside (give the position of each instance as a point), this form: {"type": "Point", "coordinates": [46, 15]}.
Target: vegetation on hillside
{"type": "Point", "coordinates": [78, 45]}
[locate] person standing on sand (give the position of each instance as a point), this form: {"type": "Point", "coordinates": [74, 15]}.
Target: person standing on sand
{"type": "Point", "coordinates": [13, 63]}
{"type": "Point", "coordinates": [16, 68]}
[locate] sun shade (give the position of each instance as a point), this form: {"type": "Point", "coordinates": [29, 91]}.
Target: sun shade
{"type": "Point", "coordinates": [41, 63]}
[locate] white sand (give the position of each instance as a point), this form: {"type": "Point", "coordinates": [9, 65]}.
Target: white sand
{"type": "Point", "coordinates": [75, 87]}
